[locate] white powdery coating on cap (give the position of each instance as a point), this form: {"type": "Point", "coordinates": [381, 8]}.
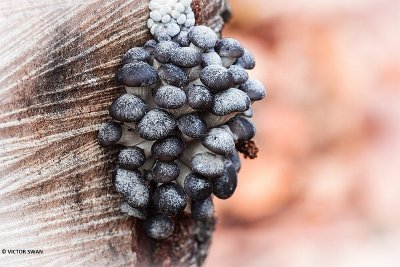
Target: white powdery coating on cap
{"type": "Point", "coordinates": [216, 77]}
{"type": "Point", "coordinates": [169, 96]}
{"type": "Point", "coordinates": [211, 58]}
{"type": "Point", "coordinates": [131, 185]}
{"type": "Point", "coordinates": [207, 164]}
{"type": "Point", "coordinates": [231, 100]}
{"type": "Point", "coordinates": [156, 124]}
{"type": "Point", "coordinates": [170, 16]}
{"type": "Point", "coordinates": [187, 57]}
{"type": "Point", "coordinates": [159, 226]}
{"type": "Point", "coordinates": [239, 74]}
{"type": "Point", "coordinates": [254, 89]}
{"type": "Point", "coordinates": [134, 212]}
{"type": "Point", "coordinates": [203, 37]}
{"type": "Point", "coordinates": [170, 199]}
{"type": "Point", "coordinates": [219, 141]}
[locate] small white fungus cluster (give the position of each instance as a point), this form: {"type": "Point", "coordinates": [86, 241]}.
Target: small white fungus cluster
{"type": "Point", "coordinates": [170, 16]}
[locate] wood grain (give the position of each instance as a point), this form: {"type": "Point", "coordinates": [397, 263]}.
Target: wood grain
{"type": "Point", "coordinates": [58, 60]}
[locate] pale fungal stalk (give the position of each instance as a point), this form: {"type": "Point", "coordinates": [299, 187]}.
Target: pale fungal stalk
{"type": "Point", "coordinates": [184, 117]}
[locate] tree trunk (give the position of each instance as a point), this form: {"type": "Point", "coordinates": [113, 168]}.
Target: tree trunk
{"type": "Point", "coordinates": [58, 60]}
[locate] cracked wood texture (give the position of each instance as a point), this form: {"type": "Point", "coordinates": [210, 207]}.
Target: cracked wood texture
{"type": "Point", "coordinates": [58, 60]}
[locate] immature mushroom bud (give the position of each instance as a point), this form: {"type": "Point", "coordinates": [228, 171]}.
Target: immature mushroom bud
{"type": "Point", "coordinates": [216, 77]}
{"type": "Point", "coordinates": [132, 186]}
{"type": "Point", "coordinates": [170, 97]}
{"type": "Point", "coordinates": [169, 199]}
{"type": "Point", "coordinates": [186, 57]}
{"type": "Point", "coordinates": [203, 210]}
{"type": "Point", "coordinates": [199, 97]}
{"type": "Point", "coordinates": [254, 89]}
{"type": "Point", "coordinates": [158, 226]}
{"type": "Point", "coordinates": [242, 128]}
{"type": "Point", "coordinates": [197, 187]}
{"type": "Point", "coordinates": [168, 149]}
{"type": "Point", "coordinates": [210, 58]}
{"type": "Point", "coordinates": [225, 185]}
{"type": "Point", "coordinates": [135, 54]}
{"type": "Point", "coordinates": [182, 39]}
{"type": "Point", "coordinates": [164, 51]}
{"type": "Point", "coordinates": [173, 75]}
{"type": "Point", "coordinates": [207, 164]}
{"type": "Point", "coordinates": [229, 50]}
{"type": "Point", "coordinates": [239, 74]}
{"type": "Point", "coordinates": [131, 158]}
{"type": "Point", "coordinates": [192, 125]}
{"type": "Point", "coordinates": [246, 61]}
{"type": "Point", "coordinates": [164, 172]}
{"type": "Point", "coordinates": [128, 108]}
{"type": "Point", "coordinates": [229, 101]}
{"type": "Point", "coordinates": [202, 37]}
{"type": "Point", "coordinates": [156, 124]}
{"type": "Point", "coordinates": [219, 141]}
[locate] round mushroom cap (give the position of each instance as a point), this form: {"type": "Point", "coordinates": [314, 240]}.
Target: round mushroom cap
{"type": "Point", "coordinates": [199, 97]}
{"type": "Point", "coordinates": [207, 164]}
{"type": "Point", "coordinates": [254, 89]}
{"type": "Point", "coordinates": [192, 125]}
{"type": "Point", "coordinates": [158, 226]}
{"type": "Point", "coordinates": [170, 97]}
{"type": "Point", "coordinates": [131, 158]}
{"type": "Point", "coordinates": [229, 101]}
{"type": "Point", "coordinates": [182, 38]}
{"type": "Point", "coordinates": [197, 187]}
{"type": "Point", "coordinates": [164, 51]}
{"type": "Point", "coordinates": [156, 124]}
{"type": "Point", "coordinates": [128, 108]}
{"type": "Point", "coordinates": [162, 36]}
{"type": "Point", "coordinates": [186, 57]}
{"type": "Point", "coordinates": [137, 74]}
{"type": "Point", "coordinates": [164, 172]}
{"type": "Point", "coordinates": [210, 58]}
{"type": "Point", "coordinates": [216, 77]}
{"type": "Point", "coordinates": [203, 210]}
{"type": "Point", "coordinates": [219, 141]}
{"type": "Point", "coordinates": [169, 199]}
{"type": "Point", "coordinates": [229, 47]}
{"type": "Point", "coordinates": [168, 149]}
{"type": "Point", "coordinates": [203, 37]}
{"type": "Point", "coordinates": [173, 75]}
{"type": "Point", "coordinates": [132, 187]}
{"type": "Point", "coordinates": [109, 133]}
{"type": "Point", "coordinates": [225, 185]}
{"type": "Point", "coordinates": [246, 61]}
{"type": "Point", "coordinates": [235, 159]}
{"type": "Point", "coordinates": [135, 54]}
{"type": "Point", "coordinates": [239, 74]}
{"type": "Point", "coordinates": [242, 128]}
{"type": "Point", "coordinates": [150, 46]}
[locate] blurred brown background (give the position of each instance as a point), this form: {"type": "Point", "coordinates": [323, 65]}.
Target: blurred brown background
{"type": "Point", "coordinates": [325, 189]}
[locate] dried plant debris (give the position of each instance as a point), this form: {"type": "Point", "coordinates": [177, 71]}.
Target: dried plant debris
{"type": "Point", "coordinates": [184, 117]}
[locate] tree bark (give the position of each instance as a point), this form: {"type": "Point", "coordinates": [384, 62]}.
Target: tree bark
{"type": "Point", "coordinates": [58, 60]}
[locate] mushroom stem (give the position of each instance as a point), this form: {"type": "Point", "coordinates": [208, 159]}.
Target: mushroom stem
{"type": "Point", "coordinates": [227, 61]}
{"type": "Point", "coordinates": [142, 92]}
{"type": "Point", "coordinates": [193, 149]}
{"type": "Point", "coordinates": [213, 120]}
{"type": "Point", "coordinates": [147, 167]}
{"type": "Point", "coordinates": [129, 137]}
{"type": "Point", "coordinates": [194, 73]}
{"type": "Point", "coordinates": [146, 146]}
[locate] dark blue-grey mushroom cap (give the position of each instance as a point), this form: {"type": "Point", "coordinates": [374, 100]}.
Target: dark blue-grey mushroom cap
{"type": "Point", "coordinates": [246, 61]}
{"type": "Point", "coordinates": [164, 172]}
{"type": "Point", "coordinates": [225, 185]}
{"type": "Point", "coordinates": [132, 187]}
{"type": "Point", "coordinates": [150, 45]}
{"type": "Point", "coordinates": [239, 74]}
{"type": "Point", "coordinates": [203, 210]}
{"type": "Point", "coordinates": [173, 75]}
{"type": "Point", "coordinates": [254, 89]}
{"type": "Point", "coordinates": [135, 54]}
{"type": "Point", "coordinates": [216, 77]}
{"type": "Point", "coordinates": [168, 149]}
{"type": "Point", "coordinates": [242, 128]}
{"type": "Point", "coordinates": [197, 187]}
{"type": "Point", "coordinates": [156, 124]}
{"type": "Point", "coordinates": [109, 133]}
{"type": "Point", "coordinates": [229, 101]}
{"type": "Point", "coordinates": [199, 97]}
{"type": "Point", "coordinates": [219, 141]}
{"type": "Point", "coordinates": [203, 37]}
{"type": "Point", "coordinates": [128, 108]}
{"type": "Point", "coordinates": [158, 226]}
{"type": "Point", "coordinates": [131, 158]}
{"type": "Point", "coordinates": [170, 97]}
{"type": "Point", "coordinates": [229, 47]}
{"type": "Point", "coordinates": [137, 74]}
{"type": "Point", "coordinates": [192, 125]}
{"type": "Point", "coordinates": [182, 38]}
{"type": "Point", "coordinates": [186, 57]}
{"type": "Point", "coordinates": [169, 199]}
{"type": "Point", "coordinates": [210, 58]}
{"type": "Point", "coordinates": [207, 164]}
{"type": "Point", "coordinates": [164, 51]}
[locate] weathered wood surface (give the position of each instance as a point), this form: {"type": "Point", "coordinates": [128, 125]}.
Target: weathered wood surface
{"type": "Point", "coordinates": [57, 65]}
